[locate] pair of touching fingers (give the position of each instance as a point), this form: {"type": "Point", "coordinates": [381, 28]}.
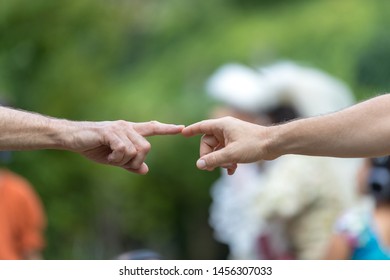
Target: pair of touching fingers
{"type": "Point", "coordinates": [219, 145]}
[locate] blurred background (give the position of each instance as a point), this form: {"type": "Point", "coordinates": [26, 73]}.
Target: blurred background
{"type": "Point", "coordinates": [149, 60]}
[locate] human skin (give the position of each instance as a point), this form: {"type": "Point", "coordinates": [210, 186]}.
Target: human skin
{"type": "Point", "coordinates": [118, 143]}
{"type": "Point", "coordinates": [362, 130]}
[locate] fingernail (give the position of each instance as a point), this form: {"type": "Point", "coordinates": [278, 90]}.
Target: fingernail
{"type": "Point", "coordinates": [201, 164]}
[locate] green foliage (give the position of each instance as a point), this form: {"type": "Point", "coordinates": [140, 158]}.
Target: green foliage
{"type": "Point", "coordinates": [374, 64]}
{"type": "Point", "coordinates": [143, 60]}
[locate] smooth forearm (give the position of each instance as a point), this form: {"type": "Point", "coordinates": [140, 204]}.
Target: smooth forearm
{"type": "Point", "coordinates": [362, 130]}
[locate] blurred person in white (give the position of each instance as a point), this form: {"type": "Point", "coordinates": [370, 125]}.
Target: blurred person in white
{"type": "Point", "coordinates": [284, 208]}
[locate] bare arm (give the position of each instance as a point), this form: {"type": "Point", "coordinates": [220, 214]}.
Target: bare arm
{"type": "Point", "coordinates": [338, 248]}
{"type": "Point", "coordinates": [21, 130]}
{"type": "Point", "coordinates": [118, 143]}
{"type": "Point", "coordinates": [362, 130]}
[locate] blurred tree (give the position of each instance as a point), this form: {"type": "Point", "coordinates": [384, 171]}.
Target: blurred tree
{"type": "Point", "coordinates": [141, 60]}
{"type": "Point", "coordinates": [67, 59]}
{"type": "Point", "coordinates": [259, 3]}
{"type": "Point", "coordinates": [70, 47]}
{"type": "Point", "coordinates": [374, 64]}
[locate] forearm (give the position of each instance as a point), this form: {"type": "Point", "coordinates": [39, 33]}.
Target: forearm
{"type": "Point", "coordinates": [21, 130]}
{"type": "Point", "coordinates": [338, 248]}
{"type": "Point", "coordinates": [362, 130]}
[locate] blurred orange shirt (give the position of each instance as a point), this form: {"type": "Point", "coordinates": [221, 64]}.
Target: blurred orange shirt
{"type": "Point", "coordinates": [22, 220]}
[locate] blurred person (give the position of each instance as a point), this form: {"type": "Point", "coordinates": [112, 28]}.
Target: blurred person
{"type": "Point", "coordinates": [286, 208]}
{"type": "Point", "coordinates": [22, 218]}
{"type": "Point", "coordinates": [361, 130]}
{"type": "Point", "coordinates": [363, 233]}
{"type": "Point", "coordinates": [140, 254]}
{"type": "Point", "coordinates": [231, 211]}
{"type": "Point", "coordinates": [117, 143]}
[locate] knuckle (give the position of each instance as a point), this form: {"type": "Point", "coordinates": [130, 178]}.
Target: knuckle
{"type": "Point", "coordinates": [106, 134]}
{"type": "Point", "coordinates": [228, 118]}
{"type": "Point", "coordinates": [131, 152]}
{"type": "Point", "coordinates": [119, 124]}
{"type": "Point", "coordinates": [202, 125]}
{"type": "Point", "coordinates": [121, 148]}
{"type": "Point", "coordinates": [114, 160]}
{"type": "Point", "coordinates": [145, 147]}
{"type": "Point", "coordinates": [154, 122]}
{"type": "Point", "coordinates": [154, 125]}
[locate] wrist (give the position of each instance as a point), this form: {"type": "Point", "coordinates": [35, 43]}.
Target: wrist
{"type": "Point", "coordinates": [278, 141]}
{"type": "Point", "coordinates": [271, 142]}
{"type": "Point", "coordinates": [63, 133]}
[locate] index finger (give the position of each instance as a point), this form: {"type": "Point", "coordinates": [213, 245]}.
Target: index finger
{"type": "Point", "coordinates": [156, 128]}
{"type": "Point", "coordinates": [203, 127]}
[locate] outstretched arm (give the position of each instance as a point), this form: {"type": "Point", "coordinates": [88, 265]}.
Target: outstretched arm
{"type": "Point", "coordinates": [118, 143]}
{"type": "Point", "coordinates": [362, 130]}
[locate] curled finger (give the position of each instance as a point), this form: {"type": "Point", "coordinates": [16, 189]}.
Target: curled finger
{"type": "Point", "coordinates": [142, 147]}
{"type": "Point", "coordinates": [123, 150]}
{"type": "Point", "coordinates": [142, 170]}
{"type": "Point", "coordinates": [208, 144]}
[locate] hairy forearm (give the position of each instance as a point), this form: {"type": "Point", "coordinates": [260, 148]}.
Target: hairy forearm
{"type": "Point", "coordinates": [362, 130]}
{"type": "Point", "coordinates": [21, 130]}
{"type": "Point", "coordinates": [119, 143]}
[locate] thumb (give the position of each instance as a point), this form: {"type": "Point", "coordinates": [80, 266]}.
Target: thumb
{"type": "Point", "coordinates": [214, 159]}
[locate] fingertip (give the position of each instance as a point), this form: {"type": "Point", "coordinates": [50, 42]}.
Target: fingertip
{"type": "Point", "coordinates": [191, 130]}
{"type": "Point", "coordinates": [111, 158]}
{"type": "Point", "coordinates": [231, 171]}
{"type": "Point", "coordinates": [188, 131]}
{"type": "Point", "coordinates": [144, 169]}
{"type": "Point", "coordinates": [177, 128]}
{"type": "Point", "coordinates": [182, 127]}
{"type": "Point", "coordinates": [184, 131]}
{"type": "Point", "coordinates": [201, 164]}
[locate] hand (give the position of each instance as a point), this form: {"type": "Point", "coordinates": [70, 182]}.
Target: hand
{"type": "Point", "coordinates": [226, 142]}
{"type": "Point", "coordinates": [119, 143]}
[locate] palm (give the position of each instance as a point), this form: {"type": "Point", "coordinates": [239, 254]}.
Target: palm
{"type": "Point", "coordinates": [98, 154]}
